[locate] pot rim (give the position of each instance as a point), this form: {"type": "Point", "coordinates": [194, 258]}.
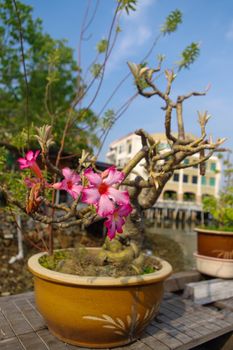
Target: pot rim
{"type": "Point", "coordinates": [213, 232]}
{"type": "Point", "coordinates": [92, 281]}
{"type": "Point", "coordinates": [211, 258]}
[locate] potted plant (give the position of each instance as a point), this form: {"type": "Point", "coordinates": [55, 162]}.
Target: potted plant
{"type": "Point", "coordinates": [215, 242]}
{"type": "Point", "coordinates": [105, 298]}
{"type": "Point", "coordinates": [113, 308]}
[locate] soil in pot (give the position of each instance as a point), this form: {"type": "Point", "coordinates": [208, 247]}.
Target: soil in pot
{"type": "Point", "coordinates": [80, 262]}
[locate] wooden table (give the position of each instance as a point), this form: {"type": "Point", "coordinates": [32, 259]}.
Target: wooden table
{"type": "Point", "coordinates": [180, 325]}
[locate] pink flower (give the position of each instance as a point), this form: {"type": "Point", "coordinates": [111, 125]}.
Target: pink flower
{"type": "Point", "coordinates": [30, 162]}
{"type": "Point", "coordinates": [101, 192]}
{"type": "Point", "coordinates": [70, 183]}
{"type": "Point", "coordinates": [116, 220]}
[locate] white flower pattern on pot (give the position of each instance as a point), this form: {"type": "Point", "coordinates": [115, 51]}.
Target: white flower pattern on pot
{"type": "Point", "coordinates": [128, 327]}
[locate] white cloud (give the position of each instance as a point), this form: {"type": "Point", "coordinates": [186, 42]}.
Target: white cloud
{"type": "Point", "coordinates": [229, 33]}
{"type": "Point", "coordinates": [134, 39]}
{"type": "Point", "coordinates": [135, 34]}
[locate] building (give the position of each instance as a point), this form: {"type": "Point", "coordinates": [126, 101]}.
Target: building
{"type": "Point", "coordinates": [186, 185]}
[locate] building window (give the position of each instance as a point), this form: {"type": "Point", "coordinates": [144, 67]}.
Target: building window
{"type": "Point", "coordinates": [129, 146]}
{"type": "Point", "coordinates": [203, 180]}
{"type": "Point", "coordinates": [189, 197]}
{"type": "Point", "coordinates": [186, 161]}
{"type": "Point", "coordinates": [185, 178]}
{"type": "Point", "coordinates": [170, 195]}
{"type": "Point", "coordinates": [121, 148]}
{"type": "Point", "coordinates": [176, 177]}
{"type": "Point", "coordinates": [212, 181]}
{"type": "Point", "coordinates": [213, 166]}
{"type": "Point", "coordinates": [194, 179]}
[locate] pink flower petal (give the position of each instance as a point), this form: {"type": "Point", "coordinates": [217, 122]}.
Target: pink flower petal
{"type": "Point", "coordinates": [75, 191]}
{"type": "Point", "coordinates": [64, 185]}
{"type": "Point", "coordinates": [30, 162]}
{"type": "Point", "coordinates": [36, 154]}
{"type": "Point", "coordinates": [93, 178]}
{"type": "Point", "coordinates": [57, 185]}
{"type": "Point", "coordinates": [119, 223]}
{"type": "Point", "coordinates": [75, 178]}
{"type": "Point", "coordinates": [125, 210]}
{"type": "Point", "coordinates": [29, 156]}
{"type": "Point", "coordinates": [67, 173]}
{"type": "Point", "coordinates": [90, 195]}
{"type": "Point", "coordinates": [120, 197]}
{"type": "Point", "coordinates": [23, 166]}
{"type": "Point", "coordinates": [105, 206]}
{"type": "Point", "coordinates": [111, 228]}
{"type": "Point", "coordinates": [22, 161]}
{"type": "Point", "coordinates": [35, 168]}
{"type": "Point", "coordinates": [114, 176]}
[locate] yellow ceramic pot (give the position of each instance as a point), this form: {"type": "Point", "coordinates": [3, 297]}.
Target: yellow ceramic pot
{"type": "Point", "coordinates": [98, 312]}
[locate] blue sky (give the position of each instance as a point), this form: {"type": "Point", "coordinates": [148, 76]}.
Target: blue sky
{"type": "Point", "coordinates": [208, 22]}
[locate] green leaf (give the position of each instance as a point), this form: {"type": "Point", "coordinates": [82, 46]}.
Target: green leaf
{"type": "Point", "coordinates": [171, 23]}
{"type": "Point", "coordinates": [127, 5]}
{"type": "Point", "coordinates": [96, 69]}
{"type": "Point", "coordinates": [189, 55]}
{"type": "Point", "coordinates": [102, 46]}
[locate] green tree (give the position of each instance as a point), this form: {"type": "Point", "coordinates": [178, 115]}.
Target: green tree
{"type": "Point", "coordinates": [39, 78]}
{"type": "Point", "coordinates": [221, 208]}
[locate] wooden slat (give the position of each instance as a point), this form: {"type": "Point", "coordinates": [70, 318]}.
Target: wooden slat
{"type": "Point", "coordinates": [173, 331]}
{"type": "Point", "coordinates": [179, 326]}
{"type": "Point", "coordinates": [31, 341]}
{"type": "Point", "coordinates": [227, 303]}
{"type": "Point", "coordinates": [163, 337]}
{"type": "Point", "coordinates": [11, 344]}
{"type": "Point", "coordinates": [153, 343]}
{"type": "Point", "coordinates": [15, 318]}
{"type": "Point", "coordinates": [204, 292]}
{"type": "Point", "coordinates": [73, 347]}
{"type": "Point", "coordinates": [51, 342]}
{"type": "Point", "coordinates": [5, 329]}
{"type": "Point", "coordinates": [138, 345]}
{"type": "Point", "coordinates": [30, 314]}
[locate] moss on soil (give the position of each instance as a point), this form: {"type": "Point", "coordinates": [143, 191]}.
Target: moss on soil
{"type": "Point", "coordinates": [80, 262]}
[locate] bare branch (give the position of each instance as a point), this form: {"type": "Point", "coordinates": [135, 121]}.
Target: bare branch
{"type": "Point", "coordinates": [57, 206]}
{"type": "Point", "coordinates": [193, 93]}
{"type": "Point", "coordinates": [168, 116]}
{"type": "Point", "coordinates": [134, 161]}
{"type": "Point", "coordinates": [53, 169]}
{"type": "Point", "coordinates": [194, 163]}
{"type": "Point", "coordinates": [24, 67]}
{"type": "Point", "coordinates": [180, 121]}
{"type": "Point", "coordinates": [151, 195]}
{"type": "Point", "coordinates": [140, 184]}
{"type": "Point", "coordinates": [145, 136]}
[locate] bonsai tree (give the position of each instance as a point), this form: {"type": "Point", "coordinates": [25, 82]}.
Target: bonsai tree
{"type": "Point", "coordinates": [101, 192]}
{"type": "Point", "coordinates": [221, 208]}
